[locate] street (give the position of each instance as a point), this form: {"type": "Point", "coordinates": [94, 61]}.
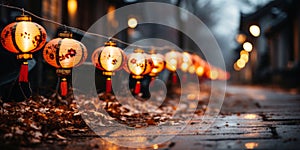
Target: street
{"type": "Point", "coordinates": [252, 117]}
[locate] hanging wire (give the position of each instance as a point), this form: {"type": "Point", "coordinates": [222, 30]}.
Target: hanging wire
{"type": "Point", "coordinates": [77, 30]}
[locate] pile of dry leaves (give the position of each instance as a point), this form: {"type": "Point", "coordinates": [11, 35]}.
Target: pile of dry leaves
{"type": "Point", "coordinates": [40, 119]}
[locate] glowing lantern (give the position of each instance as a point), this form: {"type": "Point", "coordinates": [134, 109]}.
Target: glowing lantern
{"type": "Point", "coordinates": [186, 61]}
{"type": "Point", "coordinates": [200, 71]}
{"type": "Point", "coordinates": [23, 37]}
{"type": "Point", "coordinates": [139, 64]}
{"type": "Point", "coordinates": [214, 74]}
{"type": "Point", "coordinates": [64, 53]}
{"type": "Point", "coordinates": [158, 63]}
{"type": "Point", "coordinates": [199, 64]}
{"type": "Point", "coordinates": [108, 58]}
{"type": "Point", "coordinates": [248, 46]}
{"type": "Point", "coordinates": [173, 60]}
{"type": "Point", "coordinates": [254, 30]}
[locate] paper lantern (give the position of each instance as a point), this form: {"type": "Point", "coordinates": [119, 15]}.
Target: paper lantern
{"type": "Point", "coordinates": [64, 53]}
{"type": "Point", "coordinates": [139, 64]}
{"type": "Point", "coordinates": [108, 58]}
{"type": "Point", "coordinates": [173, 61]}
{"type": "Point", "coordinates": [158, 63]}
{"type": "Point", "coordinates": [186, 61]}
{"type": "Point", "coordinates": [23, 37]}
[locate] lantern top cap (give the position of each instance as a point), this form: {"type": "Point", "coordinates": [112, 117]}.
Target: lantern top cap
{"type": "Point", "coordinates": [152, 51]}
{"type": "Point", "coordinates": [110, 43]}
{"type": "Point", "coordinates": [65, 34]}
{"type": "Point", "coordinates": [23, 18]}
{"type": "Point", "coordinates": [138, 50]}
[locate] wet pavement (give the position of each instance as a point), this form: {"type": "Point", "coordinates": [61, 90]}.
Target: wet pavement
{"type": "Point", "coordinates": [252, 117]}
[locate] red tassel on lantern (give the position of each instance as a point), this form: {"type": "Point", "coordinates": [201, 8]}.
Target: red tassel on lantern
{"type": "Point", "coordinates": [23, 77]}
{"type": "Point", "coordinates": [63, 87]}
{"type": "Point", "coordinates": [137, 88]}
{"type": "Point", "coordinates": [108, 85]}
{"type": "Point", "coordinates": [174, 78]}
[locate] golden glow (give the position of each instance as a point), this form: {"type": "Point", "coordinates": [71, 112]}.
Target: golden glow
{"type": "Point", "coordinates": [250, 116]}
{"type": "Point", "coordinates": [251, 145]}
{"type": "Point", "coordinates": [254, 30]}
{"type": "Point", "coordinates": [172, 60]}
{"type": "Point", "coordinates": [139, 63]}
{"type": "Point", "coordinates": [111, 58]}
{"type": "Point", "coordinates": [236, 68]}
{"type": "Point", "coordinates": [72, 7]}
{"type": "Point", "coordinates": [214, 74]}
{"type": "Point", "coordinates": [158, 62]}
{"type": "Point", "coordinates": [248, 46]}
{"type": "Point", "coordinates": [245, 57]}
{"type": "Point", "coordinates": [186, 61]}
{"type": "Point", "coordinates": [243, 52]}
{"type": "Point", "coordinates": [155, 146]}
{"type": "Point", "coordinates": [241, 63]}
{"type": "Point", "coordinates": [110, 13]}
{"type": "Point", "coordinates": [136, 63]}
{"type": "Point", "coordinates": [241, 38]}
{"type": "Point", "coordinates": [192, 69]}
{"type": "Point", "coordinates": [132, 22]}
{"type": "Point", "coordinates": [184, 67]}
{"type": "Point", "coordinates": [71, 53]}
{"type": "Point", "coordinates": [200, 71]}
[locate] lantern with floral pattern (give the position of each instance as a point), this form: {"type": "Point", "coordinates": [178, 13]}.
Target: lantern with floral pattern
{"type": "Point", "coordinates": [138, 65]}
{"type": "Point", "coordinates": [108, 58]}
{"type": "Point", "coordinates": [23, 37]}
{"type": "Point", "coordinates": [64, 53]}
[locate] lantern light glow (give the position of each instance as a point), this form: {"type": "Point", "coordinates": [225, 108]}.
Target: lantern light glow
{"type": "Point", "coordinates": [132, 22]}
{"type": "Point", "coordinates": [248, 46]}
{"type": "Point", "coordinates": [254, 30]}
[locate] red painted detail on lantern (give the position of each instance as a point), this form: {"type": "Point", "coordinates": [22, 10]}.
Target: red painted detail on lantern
{"type": "Point", "coordinates": [64, 53]}
{"type": "Point", "coordinates": [108, 58]}
{"type": "Point", "coordinates": [23, 37]}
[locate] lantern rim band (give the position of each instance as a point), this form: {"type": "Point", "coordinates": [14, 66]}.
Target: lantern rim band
{"type": "Point", "coordinates": [152, 51]}
{"type": "Point", "coordinates": [137, 77]}
{"type": "Point", "coordinates": [23, 18]}
{"type": "Point", "coordinates": [65, 34]}
{"type": "Point", "coordinates": [110, 43]}
{"type": "Point", "coordinates": [108, 73]}
{"type": "Point", "coordinates": [138, 50]}
{"type": "Point", "coordinates": [24, 56]}
{"type": "Point", "coordinates": [63, 71]}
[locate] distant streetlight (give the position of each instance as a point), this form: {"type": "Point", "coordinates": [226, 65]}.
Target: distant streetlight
{"type": "Point", "coordinates": [241, 63]}
{"type": "Point", "coordinates": [244, 55]}
{"type": "Point", "coordinates": [132, 23]}
{"type": "Point", "coordinates": [248, 46]}
{"type": "Point", "coordinates": [254, 30]}
{"type": "Point", "coordinates": [72, 7]}
{"type": "Point", "coordinates": [236, 68]}
{"type": "Point", "coordinates": [241, 38]}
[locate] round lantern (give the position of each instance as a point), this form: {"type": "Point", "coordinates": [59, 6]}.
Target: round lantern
{"type": "Point", "coordinates": [23, 37]}
{"type": "Point", "coordinates": [139, 64]}
{"type": "Point", "coordinates": [64, 53]}
{"type": "Point", "coordinates": [158, 63]}
{"type": "Point", "coordinates": [173, 60]}
{"type": "Point", "coordinates": [186, 61]}
{"type": "Point", "coordinates": [108, 58]}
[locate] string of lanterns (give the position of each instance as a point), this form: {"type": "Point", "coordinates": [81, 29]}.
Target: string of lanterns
{"type": "Point", "coordinates": [24, 37]}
